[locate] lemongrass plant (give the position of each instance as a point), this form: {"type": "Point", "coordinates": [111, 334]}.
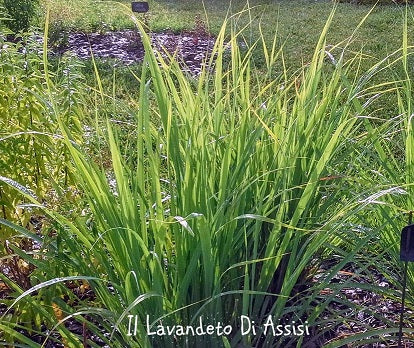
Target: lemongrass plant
{"type": "Point", "coordinates": [388, 204]}
{"type": "Point", "coordinates": [225, 204]}
{"type": "Point", "coordinates": [383, 165]}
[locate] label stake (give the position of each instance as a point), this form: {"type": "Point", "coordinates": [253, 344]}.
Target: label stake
{"type": "Point", "coordinates": [140, 6]}
{"type": "Point", "coordinates": [406, 255]}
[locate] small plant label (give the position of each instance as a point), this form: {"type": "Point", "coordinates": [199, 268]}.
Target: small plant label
{"type": "Point", "coordinates": [140, 6]}
{"type": "Point", "coordinates": [407, 244]}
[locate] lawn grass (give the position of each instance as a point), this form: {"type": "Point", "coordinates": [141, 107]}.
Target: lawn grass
{"type": "Point", "coordinates": [298, 23]}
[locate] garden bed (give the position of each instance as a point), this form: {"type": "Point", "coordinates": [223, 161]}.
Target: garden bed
{"type": "Point", "coordinates": [126, 46]}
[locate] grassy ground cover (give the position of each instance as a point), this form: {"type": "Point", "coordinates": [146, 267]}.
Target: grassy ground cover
{"type": "Point", "coordinates": [298, 23]}
{"type": "Point", "coordinates": [217, 196]}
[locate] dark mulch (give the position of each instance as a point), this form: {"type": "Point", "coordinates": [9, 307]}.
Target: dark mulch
{"type": "Point", "coordinates": [355, 310]}
{"type": "Point", "coordinates": [191, 49]}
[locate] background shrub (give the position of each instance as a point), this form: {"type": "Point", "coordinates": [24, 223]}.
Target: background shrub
{"type": "Point", "coordinates": [22, 12]}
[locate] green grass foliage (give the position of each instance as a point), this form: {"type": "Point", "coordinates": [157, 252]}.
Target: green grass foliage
{"type": "Point", "coordinates": [29, 143]}
{"type": "Point", "coordinates": [234, 188]}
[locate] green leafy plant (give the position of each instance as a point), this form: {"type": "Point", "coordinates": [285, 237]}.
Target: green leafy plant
{"type": "Point", "coordinates": [22, 12]}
